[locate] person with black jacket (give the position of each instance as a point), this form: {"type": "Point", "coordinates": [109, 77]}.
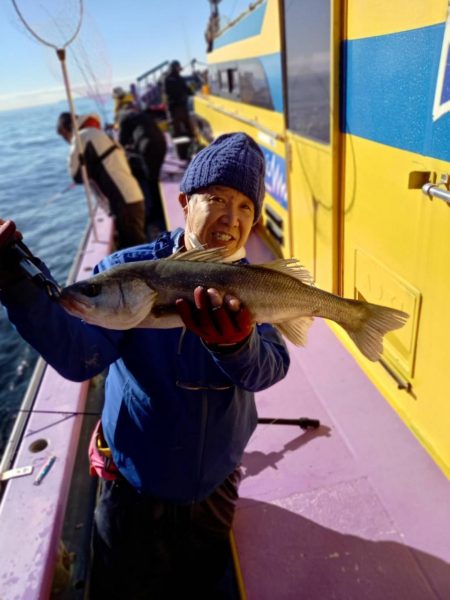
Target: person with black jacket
{"type": "Point", "coordinates": [178, 92]}
{"type": "Point", "coordinates": [146, 147]}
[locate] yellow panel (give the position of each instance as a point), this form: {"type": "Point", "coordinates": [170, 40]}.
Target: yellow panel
{"type": "Point", "coordinates": [367, 18]}
{"type": "Point", "coordinates": [403, 232]}
{"type": "Point", "coordinates": [267, 42]}
{"type": "Point", "coordinates": [310, 197]}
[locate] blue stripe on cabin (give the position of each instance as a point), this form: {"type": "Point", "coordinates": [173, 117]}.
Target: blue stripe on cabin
{"type": "Point", "coordinates": [389, 83]}
{"type": "Point", "coordinates": [248, 27]}
{"type": "Point", "coordinates": [272, 67]}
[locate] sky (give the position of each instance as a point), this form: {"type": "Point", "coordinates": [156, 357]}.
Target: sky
{"type": "Point", "coordinates": [118, 41]}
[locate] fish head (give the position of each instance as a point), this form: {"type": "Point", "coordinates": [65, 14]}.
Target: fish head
{"type": "Point", "coordinates": [108, 301]}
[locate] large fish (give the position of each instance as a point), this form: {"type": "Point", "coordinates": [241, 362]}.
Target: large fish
{"type": "Point", "coordinates": [143, 294]}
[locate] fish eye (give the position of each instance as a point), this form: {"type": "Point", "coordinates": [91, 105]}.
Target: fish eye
{"type": "Point", "coordinates": [91, 290]}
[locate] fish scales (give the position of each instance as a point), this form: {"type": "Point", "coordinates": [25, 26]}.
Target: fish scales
{"type": "Point", "coordinates": [143, 294]}
{"type": "Point", "coordinates": [267, 294]}
{"type": "Point", "coordinates": [270, 295]}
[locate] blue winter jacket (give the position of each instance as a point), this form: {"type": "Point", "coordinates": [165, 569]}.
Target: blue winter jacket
{"type": "Point", "coordinates": [177, 416]}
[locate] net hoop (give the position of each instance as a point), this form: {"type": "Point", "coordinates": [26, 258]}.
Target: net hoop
{"type": "Point", "coordinates": [41, 39]}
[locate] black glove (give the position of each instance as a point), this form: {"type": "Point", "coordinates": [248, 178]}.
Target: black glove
{"type": "Point", "coordinates": [10, 270]}
{"type": "Point", "coordinates": [18, 263]}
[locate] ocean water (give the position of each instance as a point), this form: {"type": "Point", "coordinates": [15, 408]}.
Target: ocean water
{"type": "Point", "coordinates": [37, 193]}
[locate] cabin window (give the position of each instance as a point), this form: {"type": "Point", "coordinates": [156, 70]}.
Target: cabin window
{"type": "Point", "coordinates": [244, 80]}
{"type": "Point", "coordinates": [233, 81]}
{"type": "Point", "coordinates": [307, 30]}
{"type": "Point", "coordinates": [253, 84]}
{"type": "Point", "coordinates": [213, 79]}
{"type": "Point", "coordinates": [222, 80]}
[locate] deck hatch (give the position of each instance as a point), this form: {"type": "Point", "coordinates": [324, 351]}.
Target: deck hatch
{"type": "Point", "coordinates": [376, 283]}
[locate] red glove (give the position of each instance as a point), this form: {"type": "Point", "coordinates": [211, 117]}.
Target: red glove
{"type": "Point", "coordinates": [216, 325]}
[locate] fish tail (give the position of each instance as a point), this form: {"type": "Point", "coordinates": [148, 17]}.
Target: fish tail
{"type": "Point", "coordinates": [373, 325]}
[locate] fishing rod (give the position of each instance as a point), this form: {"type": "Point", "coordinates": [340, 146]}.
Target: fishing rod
{"type": "Point", "coordinates": [26, 263]}
{"type": "Point", "coordinates": [73, 413]}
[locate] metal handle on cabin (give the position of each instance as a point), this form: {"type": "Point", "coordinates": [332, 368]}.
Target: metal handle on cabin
{"type": "Point", "coordinates": [434, 191]}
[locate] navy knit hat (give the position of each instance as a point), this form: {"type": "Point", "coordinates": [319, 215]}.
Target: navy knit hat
{"type": "Point", "coordinates": [233, 160]}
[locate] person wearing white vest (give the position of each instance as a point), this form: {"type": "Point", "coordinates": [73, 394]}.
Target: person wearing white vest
{"type": "Point", "coordinates": [109, 175]}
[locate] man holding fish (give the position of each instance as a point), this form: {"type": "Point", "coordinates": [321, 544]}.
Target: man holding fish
{"type": "Point", "coordinates": [179, 400]}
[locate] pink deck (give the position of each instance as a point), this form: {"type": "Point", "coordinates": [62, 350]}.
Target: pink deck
{"type": "Point", "coordinates": [356, 509]}
{"type": "Point", "coordinates": [32, 516]}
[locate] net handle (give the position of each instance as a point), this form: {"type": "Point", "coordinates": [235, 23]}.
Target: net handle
{"type": "Point", "coordinates": [61, 54]}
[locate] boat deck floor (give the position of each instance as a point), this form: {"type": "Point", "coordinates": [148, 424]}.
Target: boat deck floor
{"type": "Point", "coordinates": [355, 509]}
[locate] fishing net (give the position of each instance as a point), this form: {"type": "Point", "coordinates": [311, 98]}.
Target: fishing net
{"type": "Point", "coordinates": [89, 58]}
{"type": "Point", "coordinates": [56, 24]}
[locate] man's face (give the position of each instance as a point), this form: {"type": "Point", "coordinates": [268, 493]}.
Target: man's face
{"type": "Point", "coordinates": [219, 216]}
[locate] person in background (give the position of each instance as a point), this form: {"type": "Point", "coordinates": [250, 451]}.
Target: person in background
{"type": "Point", "coordinates": [109, 174]}
{"type": "Point", "coordinates": [121, 99]}
{"type": "Point", "coordinates": [177, 92]}
{"type": "Point", "coordinates": [179, 403]}
{"type": "Point", "coordinates": [146, 147]}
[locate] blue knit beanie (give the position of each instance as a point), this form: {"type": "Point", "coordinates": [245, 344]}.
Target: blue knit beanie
{"type": "Point", "coordinates": [233, 160]}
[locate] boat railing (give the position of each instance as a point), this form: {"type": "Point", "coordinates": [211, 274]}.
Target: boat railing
{"type": "Point", "coordinates": [29, 398]}
{"type": "Point", "coordinates": [151, 71]}
{"type": "Point", "coordinates": [42, 454]}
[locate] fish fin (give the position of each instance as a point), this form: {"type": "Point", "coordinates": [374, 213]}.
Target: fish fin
{"type": "Point", "coordinates": [175, 255]}
{"type": "Point", "coordinates": [296, 330]}
{"type": "Point", "coordinates": [378, 321]}
{"type": "Point", "coordinates": [291, 267]}
{"type": "Point", "coordinates": [200, 255]}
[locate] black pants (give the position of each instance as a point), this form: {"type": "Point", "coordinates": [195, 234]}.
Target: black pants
{"type": "Point", "coordinates": [147, 548]}
{"type": "Point", "coordinates": [154, 159]}
{"type": "Point", "coordinates": [146, 163]}
{"type": "Point", "coordinates": [181, 121]}
{"type": "Point", "coordinates": [130, 224]}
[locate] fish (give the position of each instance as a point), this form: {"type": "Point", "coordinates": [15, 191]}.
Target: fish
{"type": "Point", "coordinates": [281, 292]}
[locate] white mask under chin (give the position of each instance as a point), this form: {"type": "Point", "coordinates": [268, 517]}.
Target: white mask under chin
{"type": "Point", "coordinates": [238, 255]}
